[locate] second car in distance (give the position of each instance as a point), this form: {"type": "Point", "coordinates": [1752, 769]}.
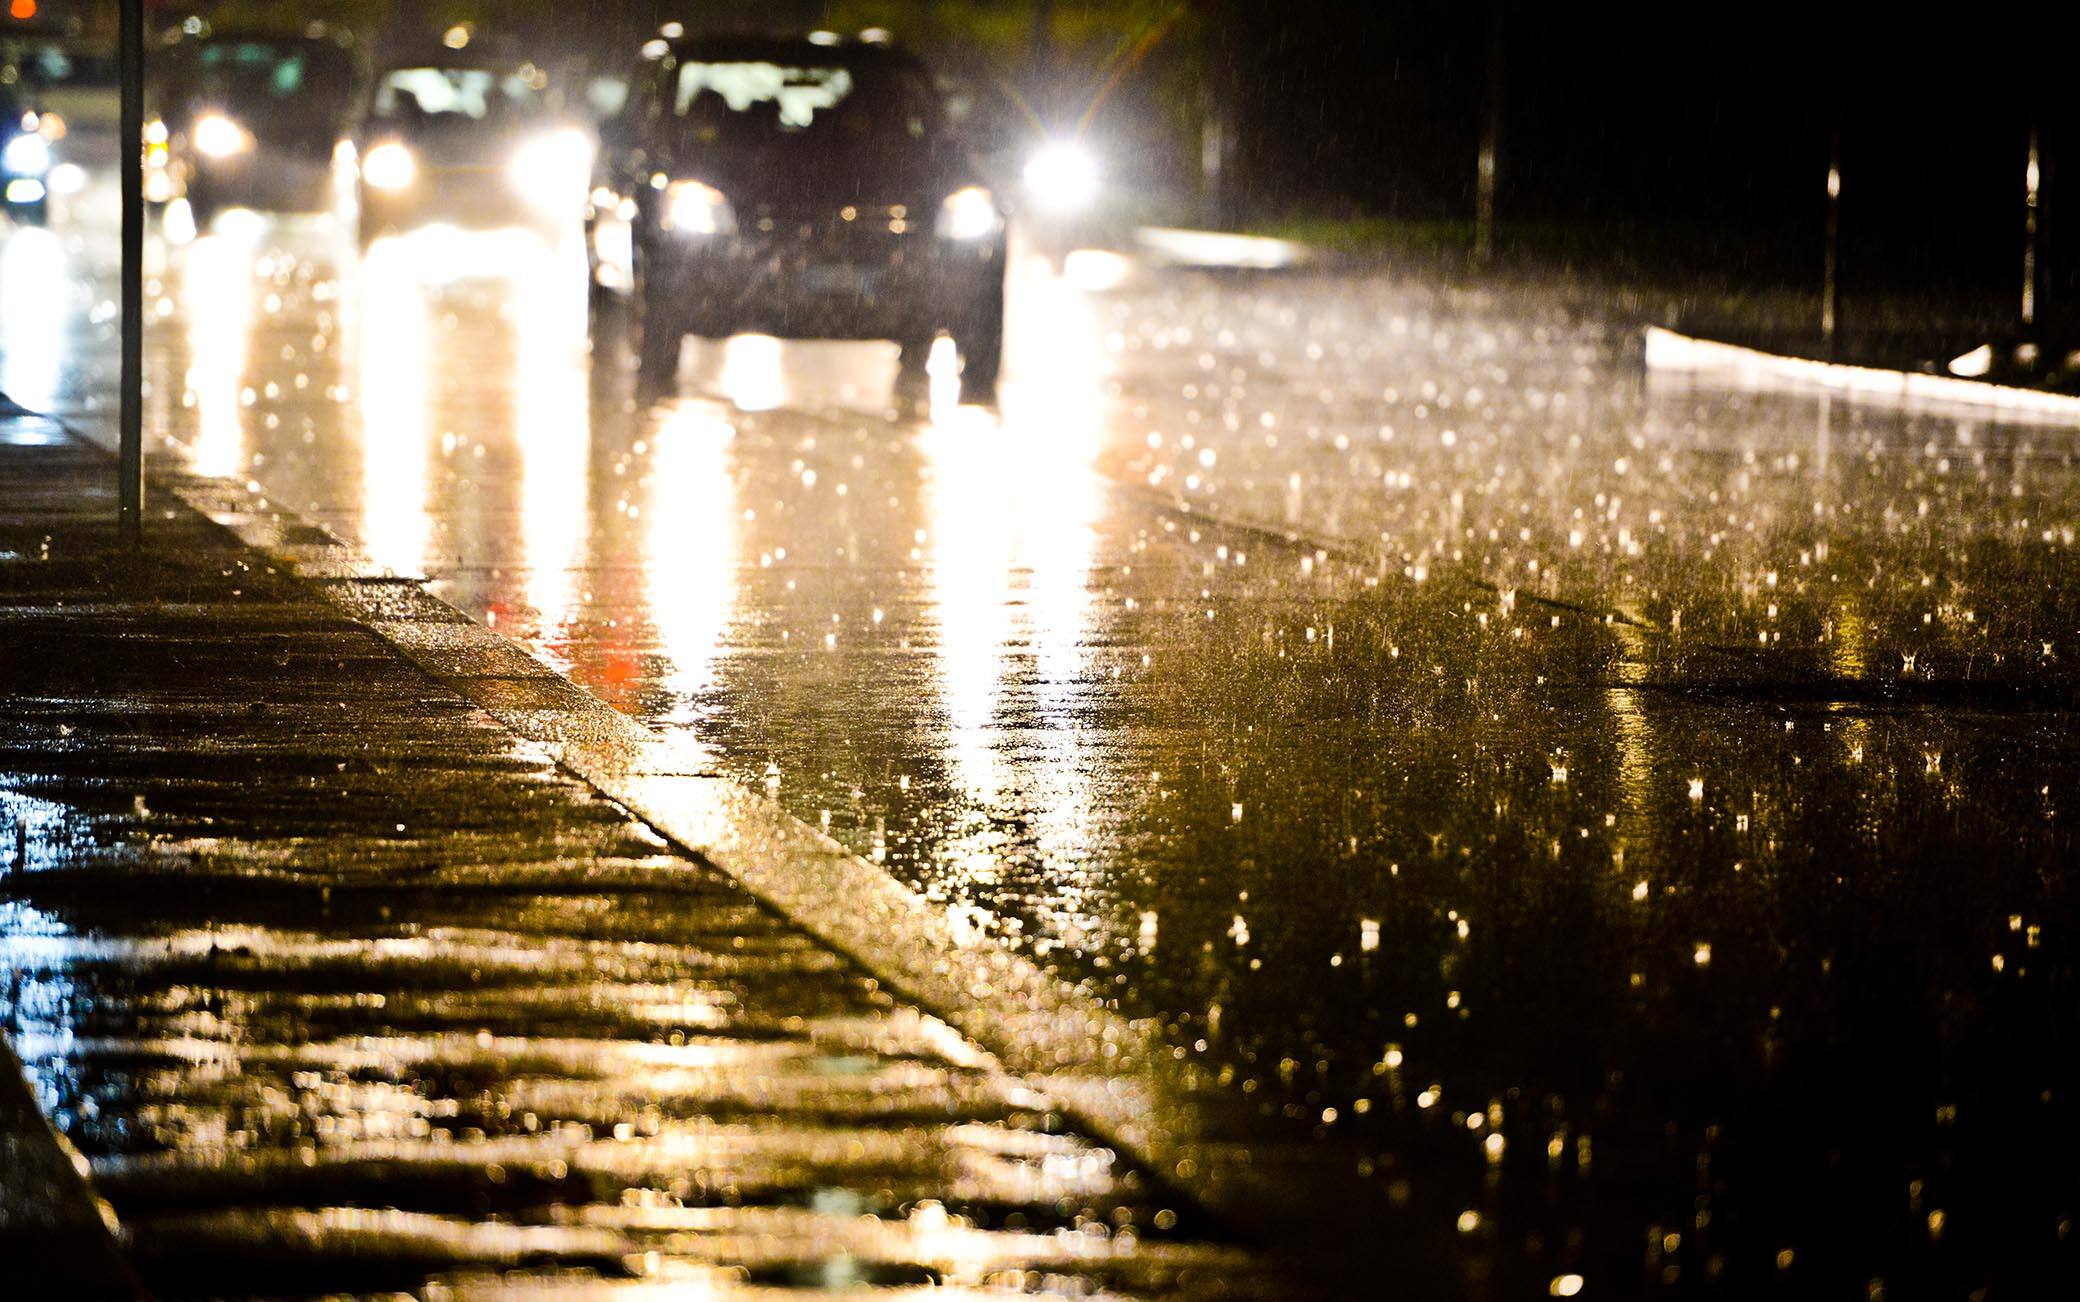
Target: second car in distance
{"type": "Point", "coordinates": [469, 139]}
{"type": "Point", "coordinates": [252, 119]}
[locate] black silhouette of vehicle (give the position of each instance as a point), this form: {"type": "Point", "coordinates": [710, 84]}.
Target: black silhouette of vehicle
{"type": "Point", "coordinates": [800, 187]}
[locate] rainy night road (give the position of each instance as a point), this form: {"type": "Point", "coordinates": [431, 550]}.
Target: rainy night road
{"type": "Point", "coordinates": [1631, 821]}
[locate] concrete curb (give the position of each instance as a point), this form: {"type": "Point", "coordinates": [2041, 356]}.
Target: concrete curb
{"type": "Point", "coordinates": [1668, 351]}
{"type": "Point", "coordinates": [1116, 1077]}
{"type": "Point", "coordinates": [1223, 250]}
{"type": "Point", "coordinates": [56, 1235]}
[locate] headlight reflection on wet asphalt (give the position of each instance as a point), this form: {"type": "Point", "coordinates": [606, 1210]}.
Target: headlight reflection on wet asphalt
{"type": "Point", "coordinates": [1310, 801]}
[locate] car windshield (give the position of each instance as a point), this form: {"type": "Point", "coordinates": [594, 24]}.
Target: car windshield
{"type": "Point", "coordinates": [753, 102]}
{"type": "Point", "coordinates": [459, 94]}
{"type": "Point", "coordinates": [245, 71]}
{"type": "Point", "coordinates": [48, 65]}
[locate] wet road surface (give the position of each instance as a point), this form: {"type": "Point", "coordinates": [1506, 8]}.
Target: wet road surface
{"type": "Point", "coordinates": [343, 987]}
{"type": "Point", "coordinates": [1628, 820]}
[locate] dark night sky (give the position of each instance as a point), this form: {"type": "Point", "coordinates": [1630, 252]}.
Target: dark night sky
{"type": "Point", "coordinates": [1712, 117]}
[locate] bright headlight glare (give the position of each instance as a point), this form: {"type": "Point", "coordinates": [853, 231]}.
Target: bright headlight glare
{"type": "Point", "coordinates": [1063, 176]}
{"type": "Point", "coordinates": [553, 169]}
{"type": "Point", "coordinates": [389, 166]}
{"type": "Point", "coordinates": [693, 208]}
{"type": "Point", "coordinates": [969, 213]}
{"type": "Point", "coordinates": [217, 136]}
{"type": "Point", "coordinates": [27, 156]}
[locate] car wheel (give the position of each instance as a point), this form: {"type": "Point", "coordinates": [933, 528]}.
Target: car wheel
{"type": "Point", "coordinates": [980, 337]}
{"type": "Point", "coordinates": [601, 319]}
{"type": "Point", "coordinates": [981, 348]}
{"type": "Point", "coordinates": [657, 355]}
{"type": "Point", "coordinates": [913, 352]}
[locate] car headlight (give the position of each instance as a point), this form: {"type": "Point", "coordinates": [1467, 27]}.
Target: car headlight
{"type": "Point", "coordinates": [217, 136]}
{"type": "Point", "coordinates": [26, 156]}
{"type": "Point", "coordinates": [969, 213]}
{"type": "Point", "coordinates": [693, 208]}
{"type": "Point", "coordinates": [1063, 177]}
{"type": "Point", "coordinates": [390, 166]}
{"type": "Point", "coordinates": [552, 170]}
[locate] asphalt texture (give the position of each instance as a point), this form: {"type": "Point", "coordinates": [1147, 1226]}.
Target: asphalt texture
{"type": "Point", "coordinates": [343, 988]}
{"type": "Point", "coordinates": [1626, 824]}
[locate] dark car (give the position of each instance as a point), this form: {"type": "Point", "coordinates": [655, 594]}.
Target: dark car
{"type": "Point", "coordinates": [252, 120]}
{"type": "Point", "coordinates": [806, 188]}
{"type": "Point", "coordinates": [465, 137]}
{"type": "Point", "coordinates": [63, 74]}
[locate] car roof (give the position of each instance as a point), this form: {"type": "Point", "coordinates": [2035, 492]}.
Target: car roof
{"type": "Point", "coordinates": [799, 49]}
{"type": "Point", "coordinates": [264, 36]}
{"type": "Point", "coordinates": [465, 60]}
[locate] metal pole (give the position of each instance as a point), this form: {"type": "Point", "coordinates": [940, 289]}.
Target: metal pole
{"type": "Point", "coordinates": [2031, 175]}
{"type": "Point", "coordinates": [1485, 178]}
{"type": "Point", "coordinates": [1828, 276]}
{"type": "Point", "coordinates": [130, 452]}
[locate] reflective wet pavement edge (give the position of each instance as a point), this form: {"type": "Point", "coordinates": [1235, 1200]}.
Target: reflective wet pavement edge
{"type": "Point", "coordinates": [57, 1236]}
{"type": "Point", "coordinates": [1117, 1076]}
{"type": "Point", "coordinates": [116, 1020]}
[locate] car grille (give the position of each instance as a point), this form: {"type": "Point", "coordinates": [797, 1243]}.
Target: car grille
{"type": "Point", "coordinates": [852, 234]}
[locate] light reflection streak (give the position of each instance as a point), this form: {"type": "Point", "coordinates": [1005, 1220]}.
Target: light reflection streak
{"type": "Point", "coordinates": [691, 551]}
{"type": "Point", "coordinates": [1639, 771]}
{"type": "Point", "coordinates": [1848, 644]}
{"type": "Point", "coordinates": [35, 287]}
{"type": "Point", "coordinates": [37, 991]}
{"type": "Point", "coordinates": [441, 254]}
{"type": "Point", "coordinates": [1012, 509]}
{"type": "Point", "coordinates": [394, 383]}
{"type": "Point", "coordinates": [551, 425]}
{"type": "Point", "coordinates": [217, 299]}
{"type": "Point", "coordinates": [1055, 414]}
{"type": "Point", "coordinates": [971, 507]}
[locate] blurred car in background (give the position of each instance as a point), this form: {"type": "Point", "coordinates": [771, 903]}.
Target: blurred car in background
{"type": "Point", "coordinates": [27, 159]}
{"type": "Point", "coordinates": [251, 120]}
{"type": "Point", "coordinates": [806, 188]}
{"type": "Point", "coordinates": [466, 137]}
{"type": "Point", "coordinates": [64, 76]}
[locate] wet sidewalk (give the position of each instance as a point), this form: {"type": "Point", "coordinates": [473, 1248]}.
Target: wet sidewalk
{"type": "Point", "coordinates": [342, 986]}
